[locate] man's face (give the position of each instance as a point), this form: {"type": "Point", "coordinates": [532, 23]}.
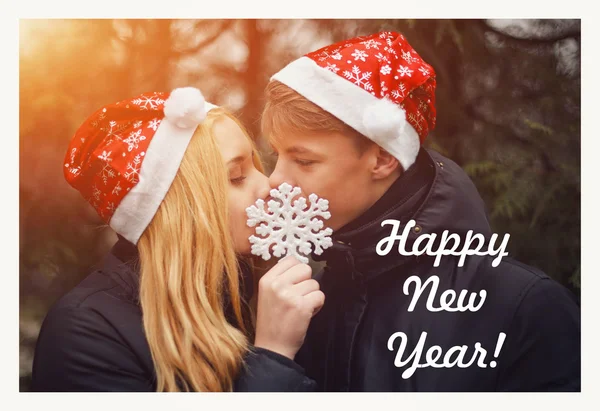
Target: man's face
{"type": "Point", "coordinates": [329, 165]}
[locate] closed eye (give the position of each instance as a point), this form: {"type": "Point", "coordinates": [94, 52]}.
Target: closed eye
{"type": "Point", "coordinates": [304, 162]}
{"type": "Point", "coordinates": [237, 181]}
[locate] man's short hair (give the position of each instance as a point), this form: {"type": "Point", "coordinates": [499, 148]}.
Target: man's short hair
{"type": "Point", "coordinates": [288, 111]}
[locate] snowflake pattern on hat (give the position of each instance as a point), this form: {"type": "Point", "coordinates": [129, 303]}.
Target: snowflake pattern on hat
{"type": "Point", "coordinates": [385, 65]}
{"type": "Point", "coordinates": [106, 154]}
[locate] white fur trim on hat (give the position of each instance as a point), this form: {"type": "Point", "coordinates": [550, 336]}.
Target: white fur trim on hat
{"type": "Point", "coordinates": [379, 119]}
{"type": "Point", "coordinates": [160, 165]}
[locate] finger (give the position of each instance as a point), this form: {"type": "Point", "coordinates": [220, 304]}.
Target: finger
{"type": "Point", "coordinates": [282, 266]}
{"type": "Point", "coordinates": [295, 274]}
{"type": "Point", "coordinates": [315, 300]}
{"type": "Point", "coordinates": [306, 287]}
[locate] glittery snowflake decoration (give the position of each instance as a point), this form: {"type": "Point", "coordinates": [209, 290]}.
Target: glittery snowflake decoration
{"type": "Point", "coordinates": [289, 225]}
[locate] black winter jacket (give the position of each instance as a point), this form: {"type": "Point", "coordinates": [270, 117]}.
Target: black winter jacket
{"type": "Point", "coordinates": [349, 346]}
{"type": "Point", "coordinates": [93, 339]}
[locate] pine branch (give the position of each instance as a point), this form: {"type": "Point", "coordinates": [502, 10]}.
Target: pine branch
{"type": "Point", "coordinates": [471, 111]}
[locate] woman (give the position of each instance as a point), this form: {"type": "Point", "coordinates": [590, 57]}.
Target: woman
{"type": "Point", "coordinates": [168, 310]}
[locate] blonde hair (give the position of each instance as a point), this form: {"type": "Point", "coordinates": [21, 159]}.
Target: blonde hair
{"type": "Point", "coordinates": [189, 272]}
{"type": "Point", "coordinates": [288, 111]}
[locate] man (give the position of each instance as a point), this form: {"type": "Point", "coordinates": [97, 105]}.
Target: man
{"type": "Point", "coordinates": [347, 122]}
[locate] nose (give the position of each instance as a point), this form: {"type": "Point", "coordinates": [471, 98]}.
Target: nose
{"type": "Point", "coordinates": [278, 176]}
{"type": "Point", "coordinates": [262, 186]}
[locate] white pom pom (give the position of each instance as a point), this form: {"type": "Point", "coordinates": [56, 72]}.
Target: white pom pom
{"type": "Point", "coordinates": [185, 107]}
{"type": "Point", "coordinates": [384, 121]}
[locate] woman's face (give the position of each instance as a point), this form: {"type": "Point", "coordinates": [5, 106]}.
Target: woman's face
{"type": "Point", "coordinates": [246, 183]}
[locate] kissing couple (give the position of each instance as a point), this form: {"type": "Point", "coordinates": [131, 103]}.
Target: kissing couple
{"type": "Point", "coordinates": [181, 303]}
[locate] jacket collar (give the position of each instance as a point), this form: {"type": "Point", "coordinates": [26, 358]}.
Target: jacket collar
{"type": "Point", "coordinates": [123, 265]}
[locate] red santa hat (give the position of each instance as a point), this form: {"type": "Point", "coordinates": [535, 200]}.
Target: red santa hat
{"type": "Point", "coordinates": [124, 157]}
{"type": "Point", "coordinates": [377, 84]}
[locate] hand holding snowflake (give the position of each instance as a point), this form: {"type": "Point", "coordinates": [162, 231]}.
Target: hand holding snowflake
{"type": "Point", "coordinates": [289, 228]}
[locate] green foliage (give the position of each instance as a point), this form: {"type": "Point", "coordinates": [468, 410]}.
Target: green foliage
{"type": "Point", "coordinates": [539, 209]}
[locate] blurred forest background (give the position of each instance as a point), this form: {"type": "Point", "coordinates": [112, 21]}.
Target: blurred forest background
{"type": "Point", "coordinates": [508, 101]}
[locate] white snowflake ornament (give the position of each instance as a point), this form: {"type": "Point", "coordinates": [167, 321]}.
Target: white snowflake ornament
{"type": "Point", "coordinates": [290, 227]}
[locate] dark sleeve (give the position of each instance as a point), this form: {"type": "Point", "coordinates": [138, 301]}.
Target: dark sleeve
{"type": "Point", "coordinates": [267, 371]}
{"type": "Point", "coordinates": [544, 353]}
{"type": "Point", "coordinates": [79, 350]}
